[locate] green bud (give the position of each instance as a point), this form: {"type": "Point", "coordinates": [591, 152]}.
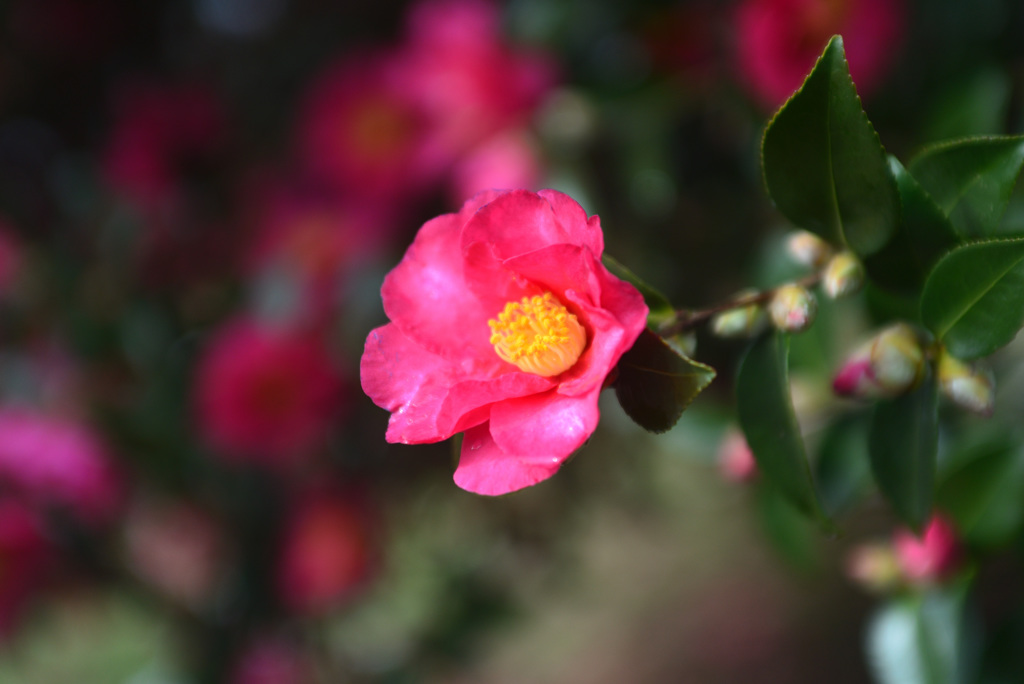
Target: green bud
{"type": "Point", "coordinates": [843, 275]}
{"type": "Point", "coordinates": [968, 386]}
{"type": "Point", "coordinates": [743, 321]}
{"type": "Point", "coordinates": [793, 308]}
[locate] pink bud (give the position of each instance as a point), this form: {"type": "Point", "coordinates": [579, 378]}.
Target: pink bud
{"type": "Point", "coordinates": [933, 556]}
{"type": "Point", "coordinates": [874, 567]}
{"type": "Point", "coordinates": [735, 459]}
{"type": "Point", "coordinates": [888, 365]}
{"type": "Point", "coordinates": [793, 308]}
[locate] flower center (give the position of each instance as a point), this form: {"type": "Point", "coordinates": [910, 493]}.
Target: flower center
{"type": "Point", "coordinates": [538, 335]}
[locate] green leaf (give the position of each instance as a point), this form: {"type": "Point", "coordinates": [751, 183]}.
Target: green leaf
{"type": "Point", "coordinates": [902, 445]}
{"type": "Point", "coordinates": [794, 536]}
{"type": "Point", "coordinates": [655, 384]}
{"type": "Point", "coordinates": [924, 234]}
{"type": "Point", "coordinates": [824, 165]}
{"type": "Point", "coordinates": [661, 309]}
{"type": "Point", "coordinates": [971, 180]}
{"type": "Point", "coordinates": [766, 415]}
{"type": "Point", "coordinates": [973, 300]}
{"type": "Point", "coordinates": [842, 470]}
{"type": "Point", "coordinates": [926, 639]}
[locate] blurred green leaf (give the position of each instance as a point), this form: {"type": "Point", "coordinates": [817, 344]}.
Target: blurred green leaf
{"type": "Point", "coordinates": [983, 490]}
{"type": "Point", "coordinates": [766, 415]}
{"type": "Point", "coordinates": [661, 309]}
{"type": "Point", "coordinates": [971, 180]}
{"type": "Point", "coordinates": [655, 384]}
{"type": "Point", "coordinates": [925, 639]}
{"type": "Point", "coordinates": [924, 234]}
{"type": "Point", "coordinates": [842, 470]}
{"type": "Point", "coordinates": [902, 445]}
{"type": "Point", "coordinates": [824, 165]}
{"type": "Point", "coordinates": [788, 530]}
{"type": "Point", "coordinates": [973, 300]}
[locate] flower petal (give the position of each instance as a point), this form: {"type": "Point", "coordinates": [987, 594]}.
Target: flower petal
{"type": "Point", "coordinates": [429, 397]}
{"type": "Point", "coordinates": [526, 441]}
{"type": "Point", "coordinates": [426, 295]}
{"type": "Point", "coordinates": [519, 221]}
{"type": "Point", "coordinates": [484, 468]}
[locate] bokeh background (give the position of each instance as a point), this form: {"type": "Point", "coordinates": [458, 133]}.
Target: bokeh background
{"type": "Point", "coordinates": [199, 200]}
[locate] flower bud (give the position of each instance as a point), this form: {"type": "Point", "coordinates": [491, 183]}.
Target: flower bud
{"type": "Point", "coordinates": [745, 321]}
{"type": "Point", "coordinates": [843, 276]}
{"type": "Point", "coordinates": [735, 459]}
{"type": "Point", "coordinates": [793, 308]}
{"type": "Point", "coordinates": [933, 556]}
{"type": "Point", "coordinates": [888, 365]}
{"type": "Point", "coordinates": [970, 387]}
{"type": "Point", "coordinates": [875, 567]}
{"type": "Point", "coordinates": [808, 249]}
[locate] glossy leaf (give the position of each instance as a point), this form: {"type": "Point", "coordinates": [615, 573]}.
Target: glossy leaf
{"type": "Point", "coordinates": [971, 180]}
{"type": "Point", "coordinates": [924, 234]}
{"type": "Point", "coordinates": [925, 639]}
{"type": "Point", "coordinates": [661, 310]}
{"type": "Point", "coordinates": [655, 384]}
{"type": "Point", "coordinates": [973, 301]}
{"type": "Point", "coordinates": [766, 415]}
{"type": "Point", "coordinates": [823, 163]}
{"type": "Point", "coordinates": [902, 445]}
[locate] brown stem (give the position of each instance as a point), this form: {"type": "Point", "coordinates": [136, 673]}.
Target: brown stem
{"type": "Point", "coordinates": [687, 318]}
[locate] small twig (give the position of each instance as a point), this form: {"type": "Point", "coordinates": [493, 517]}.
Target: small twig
{"type": "Point", "coordinates": [687, 318]}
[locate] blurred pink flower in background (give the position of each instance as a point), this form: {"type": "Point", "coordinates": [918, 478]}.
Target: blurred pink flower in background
{"type": "Point", "coordinates": [159, 131]}
{"type": "Point", "coordinates": [264, 394]}
{"type": "Point", "coordinates": [505, 261]}
{"type": "Point", "coordinates": [26, 556]}
{"type": "Point", "coordinates": [933, 556]}
{"type": "Point", "coordinates": [465, 77]}
{"type": "Point", "coordinates": [735, 459]}
{"type": "Point", "coordinates": [508, 160]}
{"type": "Point", "coordinates": [271, 660]}
{"type": "Point", "coordinates": [10, 256]}
{"type": "Point", "coordinates": [361, 133]}
{"type": "Point", "coordinates": [176, 548]}
{"type": "Point", "coordinates": [778, 42]}
{"type": "Point", "coordinates": [326, 554]}
{"type": "Point", "coordinates": [56, 461]}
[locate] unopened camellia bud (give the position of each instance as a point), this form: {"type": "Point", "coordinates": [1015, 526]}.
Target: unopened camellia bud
{"type": "Point", "coordinates": [889, 364]}
{"type": "Point", "coordinates": [793, 308]}
{"type": "Point", "coordinates": [968, 386]}
{"type": "Point", "coordinates": [843, 276]}
{"type": "Point", "coordinates": [743, 321]}
{"type": "Point", "coordinates": [808, 249]}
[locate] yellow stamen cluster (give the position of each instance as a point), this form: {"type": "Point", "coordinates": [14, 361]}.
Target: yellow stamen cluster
{"type": "Point", "coordinates": [538, 335]}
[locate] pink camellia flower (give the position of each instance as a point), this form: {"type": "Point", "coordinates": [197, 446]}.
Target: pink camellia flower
{"type": "Point", "coordinates": [778, 41]}
{"type": "Point", "coordinates": [54, 461]}
{"type": "Point", "coordinates": [505, 326]}
{"type": "Point", "coordinates": [458, 68]}
{"type": "Point", "coordinates": [266, 395]}
{"type": "Point", "coordinates": [326, 554]}
{"type": "Point", "coordinates": [361, 131]}
{"type": "Point", "coordinates": [933, 556]}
